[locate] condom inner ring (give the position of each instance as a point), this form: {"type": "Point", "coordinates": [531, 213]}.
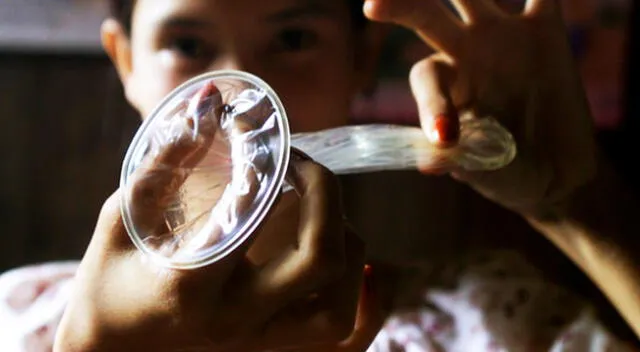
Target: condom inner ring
{"type": "Point", "coordinates": [268, 144]}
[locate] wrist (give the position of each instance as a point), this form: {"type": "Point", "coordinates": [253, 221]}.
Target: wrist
{"type": "Point", "coordinates": [599, 214]}
{"type": "Point", "coordinates": [581, 216]}
{"type": "Point", "coordinates": [600, 187]}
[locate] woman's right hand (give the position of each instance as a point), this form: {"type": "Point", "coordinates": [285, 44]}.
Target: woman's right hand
{"type": "Point", "coordinates": [305, 294]}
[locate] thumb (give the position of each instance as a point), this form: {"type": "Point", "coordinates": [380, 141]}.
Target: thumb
{"type": "Point", "coordinates": [430, 81]}
{"type": "Point", "coordinates": [370, 318]}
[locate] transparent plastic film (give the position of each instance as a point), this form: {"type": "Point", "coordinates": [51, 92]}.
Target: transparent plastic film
{"type": "Point", "coordinates": [208, 164]}
{"type": "Point", "coordinates": [483, 145]}
{"type": "Point", "coordinates": [204, 169]}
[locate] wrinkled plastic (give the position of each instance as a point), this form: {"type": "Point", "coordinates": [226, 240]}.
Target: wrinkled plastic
{"type": "Point", "coordinates": [238, 141]}
{"type": "Point", "coordinates": [482, 145]}
{"type": "Point", "coordinates": [191, 209]}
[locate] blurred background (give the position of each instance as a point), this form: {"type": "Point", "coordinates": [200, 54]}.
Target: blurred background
{"type": "Point", "coordinates": [66, 125]}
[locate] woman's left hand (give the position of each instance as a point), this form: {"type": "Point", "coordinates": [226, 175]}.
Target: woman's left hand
{"type": "Point", "coordinates": [517, 68]}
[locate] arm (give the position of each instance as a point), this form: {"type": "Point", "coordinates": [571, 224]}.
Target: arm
{"type": "Point", "coordinates": [520, 69]}
{"type": "Point", "coordinates": [599, 229]}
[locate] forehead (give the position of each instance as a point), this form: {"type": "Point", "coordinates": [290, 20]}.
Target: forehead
{"type": "Point", "coordinates": [159, 11]}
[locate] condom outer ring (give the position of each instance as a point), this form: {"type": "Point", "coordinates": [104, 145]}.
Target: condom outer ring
{"type": "Point", "coordinates": [254, 220]}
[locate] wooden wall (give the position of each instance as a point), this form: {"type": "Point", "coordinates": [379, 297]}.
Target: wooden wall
{"type": "Point", "coordinates": [65, 127]}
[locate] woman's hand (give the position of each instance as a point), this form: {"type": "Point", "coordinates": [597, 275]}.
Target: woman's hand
{"type": "Point", "coordinates": [305, 296]}
{"type": "Point", "coordinates": [516, 68]}
{"type": "Point", "coordinates": [304, 293]}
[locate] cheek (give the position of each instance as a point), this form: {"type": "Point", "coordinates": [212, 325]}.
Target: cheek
{"type": "Point", "coordinates": [316, 99]}
{"type": "Point", "coordinates": [316, 110]}
{"type": "Point", "coordinates": [150, 82]}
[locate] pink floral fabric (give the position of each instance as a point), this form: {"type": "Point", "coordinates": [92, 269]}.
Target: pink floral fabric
{"type": "Point", "coordinates": [496, 304]}
{"type": "Point", "coordinates": [32, 300]}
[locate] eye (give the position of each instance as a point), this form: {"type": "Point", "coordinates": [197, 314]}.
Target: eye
{"type": "Point", "coordinates": [295, 40]}
{"type": "Point", "coordinates": [188, 47]}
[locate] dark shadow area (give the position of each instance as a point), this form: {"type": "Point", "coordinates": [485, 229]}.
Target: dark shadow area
{"type": "Point", "coordinates": [65, 128]}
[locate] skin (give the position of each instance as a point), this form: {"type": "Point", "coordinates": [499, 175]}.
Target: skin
{"type": "Point", "coordinates": [516, 67]}
{"type": "Point", "coordinates": [308, 58]}
{"type": "Point", "coordinates": [270, 293]}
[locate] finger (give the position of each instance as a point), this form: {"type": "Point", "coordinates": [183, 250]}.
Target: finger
{"type": "Point", "coordinates": [232, 268]}
{"type": "Point", "coordinates": [369, 319]}
{"type": "Point", "coordinates": [326, 318]}
{"type": "Point", "coordinates": [238, 196]}
{"type": "Point", "coordinates": [319, 256]}
{"type": "Point", "coordinates": [156, 180]}
{"type": "Point", "coordinates": [430, 81]}
{"type": "Point", "coordinates": [542, 7]}
{"type": "Point", "coordinates": [155, 183]}
{"type": "Point", "coordinates": [110, 231]}
{"type": "Point", "coordinates": [431, 20]}
{"type": "Point", "coordinates": [474, 11]}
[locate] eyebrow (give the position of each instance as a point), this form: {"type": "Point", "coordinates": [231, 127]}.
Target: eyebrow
{"type": "Point", "coordinates": [184, 22]}
{"type": "Point", "coordinates": [302, 10]}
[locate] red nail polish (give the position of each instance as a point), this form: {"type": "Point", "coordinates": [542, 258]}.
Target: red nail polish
{"type": "Point", "coordinates": [206, 99]}
{"type": "Point", "coordinates": [445, 129]}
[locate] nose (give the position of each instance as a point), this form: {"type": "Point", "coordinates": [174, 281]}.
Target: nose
{"type": "Point", "coordinates": [235, 61]}
{"type": "Point", "coordinates": [228, 62]}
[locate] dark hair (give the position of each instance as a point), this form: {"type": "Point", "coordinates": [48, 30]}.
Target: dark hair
{"type": "Point", "coordinates": [122, 11]}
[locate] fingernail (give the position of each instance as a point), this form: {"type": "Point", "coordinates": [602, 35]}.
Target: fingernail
{"type": "Point", "coordinates": [203, 101]}
{"type": "Point", "coordinates": [445, 130]}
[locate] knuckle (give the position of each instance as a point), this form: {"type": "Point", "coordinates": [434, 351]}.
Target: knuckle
{"type": "Point", "coordinates": [322, 177]}
{"type": "Point", "coordinates": [329, 183]}
{"type": "Point", "coordinates": [433, 67]}
{"type": "Point", "coordinates": [422, 69]}
{"type": "Point", "coordinates": [323, 265]}
{"type": "Point", "coordinates": [110, 216]}
{"type": "Point", "coordinates": [111, 205]}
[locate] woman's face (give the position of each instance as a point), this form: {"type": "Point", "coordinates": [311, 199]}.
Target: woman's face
{"type": "Point", "coordinates": [307, 50]}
